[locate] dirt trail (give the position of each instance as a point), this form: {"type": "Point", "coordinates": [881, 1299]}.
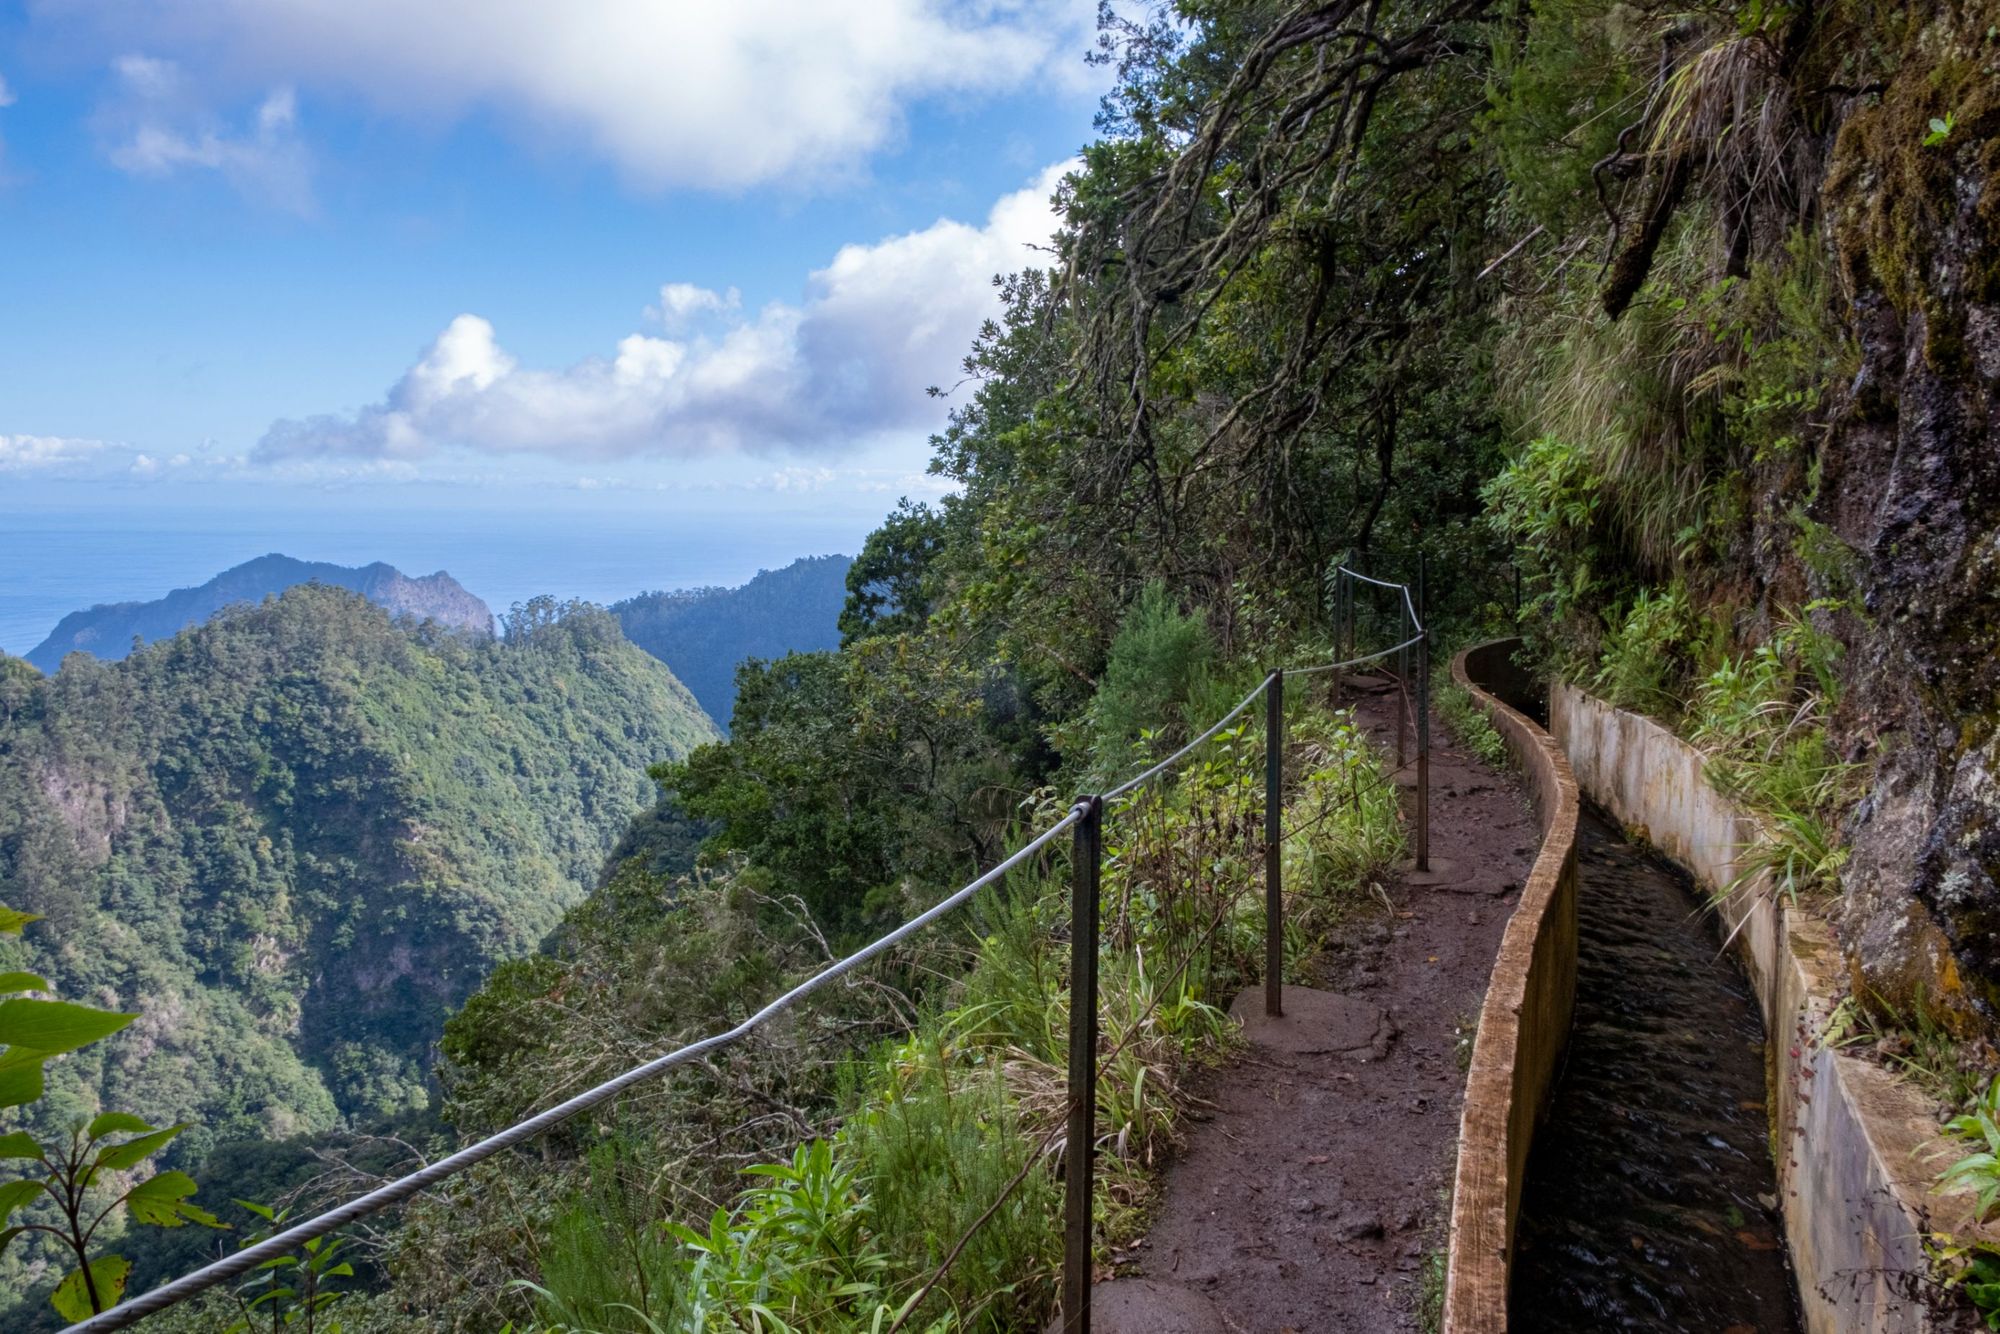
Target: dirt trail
{"type": "Point", "coordinates": [1309, 1194]}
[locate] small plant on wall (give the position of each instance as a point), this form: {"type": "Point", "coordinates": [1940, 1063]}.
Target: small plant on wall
{"type": "Point", "coordinates": [1970, 1265]}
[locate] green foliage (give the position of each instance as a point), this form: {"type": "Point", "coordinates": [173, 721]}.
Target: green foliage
{"type": "Point", "coordinates": [1545, 503]}
{"type": "Point", "coordinates": [848, 772]}
{"type": "Point", "coordinates": [289, 1290]}
{"type": "Point", "coordinates": [1977, 1173]}
{"type": "Point", "coordinates": [1157, 661]}
{"type": "Point", "coordinates": [1470, 725]}
{"type": "Point", "coordinates": [1647, 652]}
{"type": "Point", "coordinates": [886, 591]}
{"type": "Point", "coordinates": [1971, 1265]}
{"type": "Point", "coordinates": [1787, 349]}
{"type": "Point", "coordinates": [1762, 720]}
{"type": "Point", "coordinates": [1557, 85]}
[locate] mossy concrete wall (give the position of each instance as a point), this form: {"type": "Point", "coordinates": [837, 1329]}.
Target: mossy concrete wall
{"type": "Point", "coordinates": [1523, 1024]}
{"type": "Point", "coordinates": [1856, 1147]}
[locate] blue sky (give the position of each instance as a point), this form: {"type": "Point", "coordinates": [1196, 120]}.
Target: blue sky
{"type": "Point", "coordinates": [479, 245]}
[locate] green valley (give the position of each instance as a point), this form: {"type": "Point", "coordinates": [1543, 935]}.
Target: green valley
{"type": "Point", "coordinates": [298, 836]}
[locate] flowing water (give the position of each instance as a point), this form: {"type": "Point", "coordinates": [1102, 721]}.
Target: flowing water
{"type": "Point", "coordinates": [1650, 1196]}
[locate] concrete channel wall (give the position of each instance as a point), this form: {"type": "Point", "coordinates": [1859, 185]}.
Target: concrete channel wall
{"type": "Point", "coordinates": [1524, 1022]}
{"type": "Point", "coordinates": [1856, 1148]}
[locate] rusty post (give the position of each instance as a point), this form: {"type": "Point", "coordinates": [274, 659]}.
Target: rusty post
{"type": "Point", "coordinates": [1079, 1150]}
{"type": "Point", "coordinates": [1274, 861]}
{"type": "Point", "coordinates": [1424, 752]}
{"type": "Point", "coordinates": [1423, 717]}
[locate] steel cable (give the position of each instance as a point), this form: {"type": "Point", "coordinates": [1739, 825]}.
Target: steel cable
{"type": "Point", "coordinates": [247, 1259]}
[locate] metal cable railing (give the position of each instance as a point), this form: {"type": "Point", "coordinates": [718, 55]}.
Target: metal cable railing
{"type": "Point", "coordinates": [1085, 817]}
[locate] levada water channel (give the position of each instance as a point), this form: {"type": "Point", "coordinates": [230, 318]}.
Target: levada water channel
{"type": "Point", "coordinates": [1650, 1201]}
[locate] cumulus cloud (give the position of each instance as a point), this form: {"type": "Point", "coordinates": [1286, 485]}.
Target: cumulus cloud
{"type": "Point", "coordinates": [712, 95]}
{"type": "Point", "coordinates": [157, 126]}
{"type": "Point", "coordinates": [682, 304]}
{"type": "Point", "coordinates": [26, 453]}
{"type": "Point", "coordinates": [879, 325]}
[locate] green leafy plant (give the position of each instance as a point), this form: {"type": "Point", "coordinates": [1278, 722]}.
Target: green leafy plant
{"type": "Point", "coordinates": [69, 1177]}
{"type": "Point", "coordinates": [1977, 1173]}
{"type": "Point", "coordinates": [1970, 1265]}
{"type": "Point", "coordinates": [1760, 718]}
{"type": "Point", "coordinates": [1644, 652]}
{"type": "Point", "coordinates": [289, 1290]}
{"type": "Point", "coordinates": [77, 1181]}
{"type": "Point", "coordinates": [1470, 725]}
{"type": "Point", "coordinates": [1940, 130]}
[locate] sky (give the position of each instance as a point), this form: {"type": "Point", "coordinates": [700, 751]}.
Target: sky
{"type": "Point", "coordinates": [259, 250]}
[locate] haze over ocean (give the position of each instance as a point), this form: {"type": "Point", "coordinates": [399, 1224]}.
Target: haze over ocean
{"type": "Point", "coordinates": [63, 553]}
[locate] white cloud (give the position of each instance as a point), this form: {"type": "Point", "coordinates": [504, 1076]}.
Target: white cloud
{"type": "Point", "coordinates": [24, 453]}
{"type": "Point", "coordinates": [158, 126]}
{"type": "Point", "coordinates": [675, 93]}
{"type": "Point", "coordinates": [879, 325]}
{"type": "Point", "coordinates": [6, 93]}
{"type": "Point", "coordinates": [682, 304]}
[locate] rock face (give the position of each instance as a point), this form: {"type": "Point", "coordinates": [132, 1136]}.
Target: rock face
{"type": "Point", "coordinates": [1913, 484]}
{"type": "Point", "coordinates": [107, 631]}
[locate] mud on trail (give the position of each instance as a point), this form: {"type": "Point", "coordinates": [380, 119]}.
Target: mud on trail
{"type": "Point", "coordinates": [1309, 1195]}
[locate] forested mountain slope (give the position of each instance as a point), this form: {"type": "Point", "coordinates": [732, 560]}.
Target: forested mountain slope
{"type": "Point", "coordinates": [107, 631]}
{"type": "Point", "coordinates": [296, 837]}
{"type": "Point", "coordinates": [703, 633]}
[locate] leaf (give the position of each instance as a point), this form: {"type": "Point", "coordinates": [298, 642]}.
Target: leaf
{"type": "Point", "coordinates": [20, 1144]}
{"type": "Point", "coordinates": [161, 1200]}
{"type": "Point", "coordinates": [22, 982]}
{"type": "Point", "coordinates": [121, 1156]}
{"type": "Point", "coordinates": [17, 1193]}
{"type": "Point", "coordinates": [7, 1237]}
{"type": "Point", "coordinates": [20, 1084]}
{"type": "Point", "coordinates": [72, 1298]}
{"type": "Point", "coordinates": [116, 1123]}
{"type": "Point", "coordinates": [11, 922]}
{"type": "Point", "coordinates": [50, 1027]}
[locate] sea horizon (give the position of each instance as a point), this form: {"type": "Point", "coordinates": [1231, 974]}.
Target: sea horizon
{"type": "Point", "coordinates": [66, 554]}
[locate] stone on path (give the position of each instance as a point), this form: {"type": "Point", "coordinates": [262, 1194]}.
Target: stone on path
{"type": "Point", "coordinates": [1316, 1023]}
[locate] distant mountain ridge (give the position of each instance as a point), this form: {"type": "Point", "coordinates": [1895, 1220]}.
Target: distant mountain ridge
{"type": "Point", "coordinates": [107, 630]}
{"type": "Point", "coordinates": [703, 633]}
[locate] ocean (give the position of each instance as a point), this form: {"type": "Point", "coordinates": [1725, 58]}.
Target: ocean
{"type": "Point", "coordinates": [58, 555]}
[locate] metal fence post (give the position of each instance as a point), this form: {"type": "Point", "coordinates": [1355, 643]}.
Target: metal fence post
{"type": "Point", "coordinates": [1402, 706]}
{"type": "Point", "coordinates": [1079, 1150]}
{"type": "Point", "coordinates": [1274, 859]}
{"type": "Point", "coordinates": [1424, 751]}
{"type": "Point", "coordinates": [1423, 589]}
